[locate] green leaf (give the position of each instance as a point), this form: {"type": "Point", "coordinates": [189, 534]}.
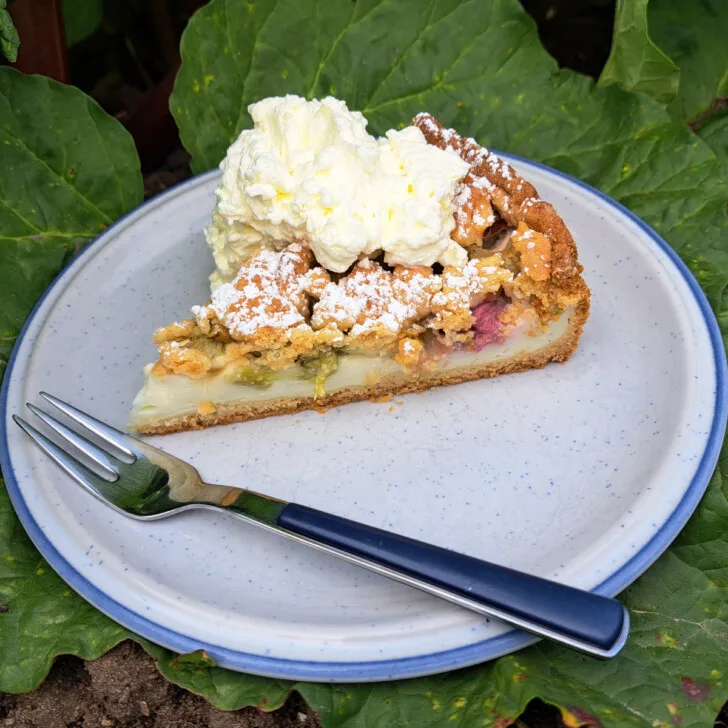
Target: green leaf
{"type": "Point", "coordinates": [81, 18]}
{"type": "Point", "coordinates": [9, 38]}
{"type": "Point", "coordinates": [635, 62]}
{"type": "Point", "coordinates": [697, 43]}
{"type": "Point", "coordinates": [196, 659]}
{"type": "Point", "coordinates": [224, 687]}
{"type": "Point", "coordinates": [478, 66]}
{"type": "Point", "coordinates": [694, 36]}
{"type": "Point", "coordinates": [714, 133]}
{"type": "Point", "coordinates": [68, 171]}
{"type": "Point", "coordinates": [388, 59]}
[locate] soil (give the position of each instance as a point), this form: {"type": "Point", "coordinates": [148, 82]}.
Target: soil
{"type": "Point", "coordinates": [174, 170]}
{"type": "Point", "coordinates": [123, 689]}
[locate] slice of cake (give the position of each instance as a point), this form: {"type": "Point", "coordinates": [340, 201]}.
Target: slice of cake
{"type": "Point", "coordinates": [351, 268]}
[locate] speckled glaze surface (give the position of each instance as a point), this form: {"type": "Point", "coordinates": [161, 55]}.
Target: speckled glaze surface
{"type": "Point", "coordinates": [582, 472]}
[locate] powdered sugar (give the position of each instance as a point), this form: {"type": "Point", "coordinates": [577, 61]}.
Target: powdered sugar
{"type": "Point", "coordinates": [266, 293]}
{"type": "Point", "coordinates": [459, 287]}
{"type": "Point", "coordinates": [426, 122]}
{"type": "Point", "coordinates": [462, 198]}
{"type": "Point", "coordinates": [371, 297]}
{"type": "Point", "coordinates": [529, 202]}
{"type": "Point", "coordinates": [483, 183]}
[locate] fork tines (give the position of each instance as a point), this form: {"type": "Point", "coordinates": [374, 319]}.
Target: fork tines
{"type": "Point", "coordinates": [73, 447]}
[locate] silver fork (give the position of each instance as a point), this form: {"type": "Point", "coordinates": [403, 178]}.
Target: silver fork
{"type": "Point", "coordinates": [143, 482]}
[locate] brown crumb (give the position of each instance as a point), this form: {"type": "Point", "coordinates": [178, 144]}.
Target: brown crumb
{"type": "Point", "coordinates": [232, 495]}
{"type": "Point", "coordinates": [535, 251]}
{"type": "Point", "coordinates": [515, 200]}
{"type": "Point", "coordinates": [409, 350]}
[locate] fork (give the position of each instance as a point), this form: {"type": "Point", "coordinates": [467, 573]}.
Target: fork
{"type": "Point", "coordinates": [146, 483]}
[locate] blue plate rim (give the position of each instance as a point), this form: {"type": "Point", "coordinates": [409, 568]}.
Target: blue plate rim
{"type": "Point", "coordinates": [399, 668]}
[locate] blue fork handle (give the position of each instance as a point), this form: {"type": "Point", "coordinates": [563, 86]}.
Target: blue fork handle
{"type": "Point", "coordinates": [589, 622]}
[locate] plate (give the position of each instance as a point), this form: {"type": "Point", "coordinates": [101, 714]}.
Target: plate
{"type": "Point", "coordinates": [582, 473]}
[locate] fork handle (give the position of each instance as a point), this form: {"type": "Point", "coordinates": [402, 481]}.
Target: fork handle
{"type": "Point", "coordinates": [589, 622]}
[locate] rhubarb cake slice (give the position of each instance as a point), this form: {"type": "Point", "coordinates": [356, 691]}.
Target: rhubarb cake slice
{"type": "Point", "coordinates": [302, 323]}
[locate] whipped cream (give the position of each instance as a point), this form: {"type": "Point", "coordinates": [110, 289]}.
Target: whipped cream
{"type": "Point", "coordinates": [308, 171]}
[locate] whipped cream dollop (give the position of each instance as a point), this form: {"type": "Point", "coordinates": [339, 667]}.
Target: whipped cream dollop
{"type": "Point", "coordinates": [308, 171]}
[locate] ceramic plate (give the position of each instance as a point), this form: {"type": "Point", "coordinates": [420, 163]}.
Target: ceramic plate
{"type": "Point", "coordinates": [582, 472]}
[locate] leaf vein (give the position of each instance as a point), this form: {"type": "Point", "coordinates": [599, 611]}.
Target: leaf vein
{"type": "Point", "coordinates": [30, 224]}
{"type": "Point", "coordinates": [253, 50]}
{"type": "Point", "coordinates": [349, 25]}
{"type": "Point", "coordinates": [45, 164]}
{"type": "Point", "coordinates": [395, 66]}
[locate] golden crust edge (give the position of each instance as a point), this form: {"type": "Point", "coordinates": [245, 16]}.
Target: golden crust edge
{"type": "Point", "coordinates": [390, 386]}
{"type": "Point", "coordinates": [524, 205]}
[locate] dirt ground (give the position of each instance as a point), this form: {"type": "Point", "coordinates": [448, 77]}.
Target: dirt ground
{"type": "Point", "coordinates": [123, 689]}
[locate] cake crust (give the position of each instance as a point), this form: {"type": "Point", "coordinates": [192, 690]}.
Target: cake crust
{"type": "Point", "coordinates": [516, 200]}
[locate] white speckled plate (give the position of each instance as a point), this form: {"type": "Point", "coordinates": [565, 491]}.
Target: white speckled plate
{"type": "Point", "coordinates": [582, 473]}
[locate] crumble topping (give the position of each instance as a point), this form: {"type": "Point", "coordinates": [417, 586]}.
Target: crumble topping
{"type": "Point", "coordinates": [516, 201]}
{"type": "Point", "coordinates": [409, 351]}
{"type": "Point", "coordinates": [535, 252]}
{"type": "Point", "coordinates": [372, 304]}
{"type": "Point", "coordinates": [265, 296]}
